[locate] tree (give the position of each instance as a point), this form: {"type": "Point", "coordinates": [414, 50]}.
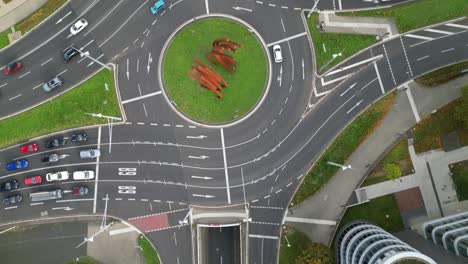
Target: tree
{"type": "Point", "coordinates": [461, 111]}
{"type": "Point", "coordinates": [315, 254]}
{"type": "Point", "coordinates": [392, 171]}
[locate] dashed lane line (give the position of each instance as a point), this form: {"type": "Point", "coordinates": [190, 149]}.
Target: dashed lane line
{"type": "Point", "coordinates": [389, 65]}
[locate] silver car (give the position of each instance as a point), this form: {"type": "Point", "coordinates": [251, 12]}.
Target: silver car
{"type": "Point", "coordinates": [50, 85]}
{"type": "Point", "coordinates": [90, 153]}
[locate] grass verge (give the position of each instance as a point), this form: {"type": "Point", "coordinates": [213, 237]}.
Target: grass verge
{"type": "Point", "coordinates": [245, 85]}
{"type": "Point", "coordinates": [344, 145]}
{"type": "Point", "coordinates": [427, 132]}
{"type": "Point", "coordinates": [382, 211]}
{"type": "Point", "coordinates": [443, 75]}
{"type": "Point", "coordinates": [347, 44]}
{"type": "Point", "coordinates": [398, 155]}
{"type": "Point", "coordinates": [460, 179]}
{"type": "Point", "coordinates": [418, 14]}
{"type": "Point", "coordinates": [4, 41]}
{"type": "Point", "coordinates": [301, 249]}
{"type": "Point", "coordinates": [150, 254]}
{"type": "Point", "coordinates": [84, 260]}
{"type": "Point", "coordinates": [37, 17]}
{"type": "Point", "coordinates": [64, 112]}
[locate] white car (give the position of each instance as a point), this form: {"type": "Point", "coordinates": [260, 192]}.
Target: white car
{"type": "Point", "coordinates": [277, 53]}
{"type": "Point", "coordinates": [78, 26]}
{"type": "Point", "coordinates": [83, 175]}
{"type": "Point", "coordinates": [57, 176]}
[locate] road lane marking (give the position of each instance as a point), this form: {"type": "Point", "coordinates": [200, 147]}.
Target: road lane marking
{"type": "Point", "coordinates": [287, 39]}
{"type": "Point", "coordinates": [422, 58]}
{"type": "Point", "coordinates": [354, 106]}
{"type": "Point", "coordinates": [438, 31]}
{"type": "Point", "coordinates": [378, 77]}
{"type": "Point", "coordinates": [413, 105]}
{"type": "Point", "coordinates": [121, 231]}
{"type": "Point", "coordinates": [97, 172]}
{"type": "Point", "coordinates": [100, 21]}
{"type": "Point", "coordinates": [36, 204]}
{"type": "Point", "coordinates": [5, 84]}
{"type": "Point", "coordinates": [35, 87]}
{"type": "Point", "coordinates": [207, 7]}
{"type": "Point", "coordinates": [259, 2]}
{"type": "Point", "coordinates": [62, 72]}
{"type": "Point", "coordinates": [355, 64]}
{"type": "Point", "coordinates": [389, 65]}
{"type": "Point", "coordinates": [75, 200]}
{"type": "Point", "coordinates": [418, 37]}
{"type": "Point", "coordinates": [282, 25]}
{"type": "Point", "coordinates": [225, 166]}
{"type": "Point", "coordinates": [334, 80]}
{"type": "Point", "coordinates": [447, 50]}
{"type": "Point", "coordinates": [406, 56]}
{"type": "Point", "coordinates": [272, 5]}
{"type": "Point", "coordinates": [11, 207]}
{"type": "Point", "coordinates": [45, 62]}
{"type": "Point", "coordinates": [14, 97]}
{"type": "Point", "coordinates": [87, 44]}
{"type": "Point", "coordinates": [21, 76]}
{"type": "Point", "coordinates": [365, 86]}
{"type": "Point", "coordinates": [144, 108]}
{"type": "Point", "coordinates": [309, 221]}
{"type": "Point", "coordinates": [456, 25]}
{"type": "Point", "coordinates": [350, 87]}
{"type": "Point", "coordinates": [263, 236]}
{"type": "Point", "coordinates": [141, 97]}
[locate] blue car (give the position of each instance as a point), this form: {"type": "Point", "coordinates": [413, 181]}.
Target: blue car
{"type": "Point", "coordinates": [158, 6]}
{"type": "Point", "coordinates": [15, 165]}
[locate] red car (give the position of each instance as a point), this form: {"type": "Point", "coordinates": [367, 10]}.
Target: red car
{"type": "Point", "coordinates": [33, 180]}
{"type": "Point", "coordinates": [12, 67]}
{"type": "Point", "coordinates": [29, 148]}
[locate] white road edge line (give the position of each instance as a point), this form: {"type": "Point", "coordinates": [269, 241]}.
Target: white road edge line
{"type": "Point", "coordinates": [141, 97]}
{"type": "Point", "coordinates": [378, 77]}
{"type": "Point", "coordinates": [413, 105]}
{"type": "Point", "coordinates": [288, 38]}
{"type": "Point", "coordinates": [225, 167]}
{"type": "Point", "coordinates": [97, 172]}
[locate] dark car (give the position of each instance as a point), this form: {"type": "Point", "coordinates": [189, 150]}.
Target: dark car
{"type": "Point", "coordinates": [82, 190]}
{"type": "Point", "coordinates": [18, 164]}
{"type": "Point", "coordinates": [56, 142]}
{"type": "Point", "coordinates": [54, 157]}
{"type": "Point", "coordinates": [12, 67]}
{"type": "Point", "coordinates": [8, 186]}
{"type": "Point", "coordinates": [69, 54]}
{"type": "Point", "coordinates": [12, 199]}
{"type": "Point", "coordinates": [79, 137]}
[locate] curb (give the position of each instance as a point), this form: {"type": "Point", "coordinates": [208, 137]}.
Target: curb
{"type": "Point", "coordinates": [265, 49]}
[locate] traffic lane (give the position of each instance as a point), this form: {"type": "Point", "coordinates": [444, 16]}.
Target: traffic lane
{"type": "Point", "coordinates": [263, 250]}
{"type": "Point", "coordinates": [173, 245]}
{"type": "Point", "coordinates": [223, 244]}
{"type": "Point", "coordinates": [41, 242]}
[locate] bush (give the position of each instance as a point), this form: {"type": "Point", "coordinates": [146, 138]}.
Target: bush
{"type": "Point", "coordinates": [315, 254]}
{"type": "Point", "coordinates": [392, 171]}
{"type": "Point", "coordinates": [462, 109]}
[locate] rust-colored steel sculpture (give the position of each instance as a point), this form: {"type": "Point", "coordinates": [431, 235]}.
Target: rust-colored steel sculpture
{"type": "Point", "coordinates": [207, 78]}
{"type": "Point", "coordinates": [217, 54]}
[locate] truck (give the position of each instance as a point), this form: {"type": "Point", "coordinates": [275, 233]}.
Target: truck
{"type": "Point", "coordinates": [47, 195]}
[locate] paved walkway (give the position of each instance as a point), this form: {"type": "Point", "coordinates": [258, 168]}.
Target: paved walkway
{"type": "Point", "coordinates": [383, 27]}
{"type": "Point", "coordinates": [329, 202]}
{"type": "Point", "coordinates": [17, 10]}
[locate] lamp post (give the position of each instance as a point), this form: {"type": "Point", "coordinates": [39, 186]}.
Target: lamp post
{"type": "Point", "coordinates": [86, 54]}
{"type": "Point", "coordinates": [109, 124]}
{"type": "Point", "coordinates": [334, 56]}
{"type": "Point", "coordinates": [343, 167]}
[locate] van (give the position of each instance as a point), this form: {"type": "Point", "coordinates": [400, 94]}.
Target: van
{"type": "Point", "coordinates": [44, 196]}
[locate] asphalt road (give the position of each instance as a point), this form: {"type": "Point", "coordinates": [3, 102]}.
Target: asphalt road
{"type": "Point", "coordinates": [156, 165]}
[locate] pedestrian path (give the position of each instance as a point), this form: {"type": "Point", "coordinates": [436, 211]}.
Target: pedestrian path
{"type": "Point", "coordinates": [17, 10]}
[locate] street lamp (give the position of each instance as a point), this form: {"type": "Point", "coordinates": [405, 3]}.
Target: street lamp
{"type": "Point", "coordinates": [343, 167]}
{"type": "Point", "coordinates": [109, 124]}
{"type": "Point", "coordinates": [334, 56]}
{"type": "Point", "coordinates": [86, 54]}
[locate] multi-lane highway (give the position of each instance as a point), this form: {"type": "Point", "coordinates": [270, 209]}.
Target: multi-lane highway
{"type": "Point", "coordinates": [155, 165]}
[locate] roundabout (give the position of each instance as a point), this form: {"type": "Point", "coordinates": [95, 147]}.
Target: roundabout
{"type": "Point", "coordinates": [247, 84]}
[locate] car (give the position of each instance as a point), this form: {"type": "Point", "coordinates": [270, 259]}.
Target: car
{"type": "Point", "coordinates": [78, 26]}
{"type": "Point", "coordinates": [90, 153]}
{"type": "Point", "coordinates": [83, 175]}
{"type": "Point", "coordinates": [29, 148]}
{"type": "Point", "coordinates": [69, 54]}
{"type": "Point", "coordinates": [8, 186]}
{"type": "Point", "coordinates": [52, 84]}
{"type": "Point", "coordinates": [56, 142]}
{"type": "Point", "coordinates": [157, 7]}
{"type": "Point", "coordinates": [57, 176]}
{"type": "Point", "coordinates": [81, 190]}
{"type": "Point", "coordinates": [79, 137]}
{"type": "Point", "coordinates": [54, 157]}
{"type": "Point", "coordinates": [12, 199]}
{"type": "Point", "coordinates": [12, 67]}
{"type": "Point", "coordinates": [277, 53]}
{"type": "Point", "coordinates": [16, 165]}
{"type": "Point", "coordinates": [33, 180]}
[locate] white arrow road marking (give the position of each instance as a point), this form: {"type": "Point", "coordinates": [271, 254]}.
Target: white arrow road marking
{"type": "Point", "coordinates": [150, 60]}
{"type": "Point", "coordinates": [280, 75]}
{"type": "Point", "coordinates": [203, 195]}
{"type": "Point", "coordinates": [63, 208]}
{"type": "Point", "coordinates": [128, 73]}
{"type": "Point", "coordinates": [351, 87]}
{"type": "Point", "coordinates": [352, 108]}
{"type": "Point", "coordinates": [238, 8]}
{"type": "Point", "coordinates": [202, 177]}
{"type": "Point", "coordinates": [198, 157]}
{"type": "Point", "coordinates": [197, 137]}
{"type": "Point", "coordinates": [60, 20]}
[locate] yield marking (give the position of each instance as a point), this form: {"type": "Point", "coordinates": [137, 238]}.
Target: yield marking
{"type": "Point", "coordinates": [351, 87]}
{"type": "Point", "coordinates": [238, 8]}
{"type": "Point", "coordinates": [439, 31]}
{"type": "Point", "coordinates": [418, 37]}
{"type": "Point", "coordinates": [197, 137]}
{"type": "Point", "coordinates": [356, 105]}
{"type": "Point", "coordinates": [203, 195]}
{"type": "Point", "coordinates": [456, 25]}
{"type": "Point", "coordinates": [199, 157]}
{"type": "Point", "coordinates": [202, 177]}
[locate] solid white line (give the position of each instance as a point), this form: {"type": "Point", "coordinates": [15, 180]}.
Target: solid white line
{"type": "Point", "coordinates": [413, 105]}
{"type": "Point", "coordinates": [356, 105]}
{"type": "Point", "coordinates": [355, 64]}
{"type": "Point", "coordinates": [422, 58]}
{"type": "Point", "coordinates": [439, 31]}
{"type": "Point", "coordinates": [350, 87]}
{"type": "Point", "coordinates": [310, 221]}
{"type": "Point", "coordinates": [263, 236]}
{"type": "Point", "coordinates": [36, 203]}
{"type": "Point", "coordinates": [86, 45]}
{"type": "Point", "coordinates": [5, 84]}
{"type": "Point", "coordinates": [447, 50]}
{"type": "Point", "coordinates": [418, 37]}
{"type": "Point", "coordinates": [97, 172]}
{"type": "Point", "coordinates": [378, 77]}
{"type": "Point", "coordinates": [225, 166]}
{"type": "Point", "coordinates": [456, 25]}
{"type": "Point", "coordinates": [11, 207]}
{"type": "Point", "coordinates": [288, 38]}
{"type": "Point", "coordinates": [74, 200]}
{"type": "Point", "coordinates": [14, 97]}
{"type": "Point", "coordinates": [339, 5]}
{"type": "Point", "coordinates": [207, 7]}
{"type": "Point", "coordinates": [368, 83]}
{"type": "Point", "coordinates": [282, 24]}
{"type": "Point", "coordinates": [121, 231]}
{"type": "Point", "coordinates": [406, 56]}
{"type": "Point", "coordinates": [35, 87]}
{"type": "Point", "coordinates": [62, 72]}
{"type": "Point", "coordinates": [6, 230]}
{"type": "Point", "coordinates": [44, 63]}
{"type": "Point", "coordinates": [141, 97]}
{"type": "Point", "coordinates": [21, 76]}
{"type": "Point", "coordinates": [335, 80]}
{"type": "Point", "coordinates": [144, 108]}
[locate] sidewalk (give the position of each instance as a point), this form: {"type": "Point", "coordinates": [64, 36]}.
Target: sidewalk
{"type": "Point", "coordinates": [330, 201]}
{"type": "Point", "coordinates": [17, 10]}
{"type": "Point", "coordinates": [358, 25]}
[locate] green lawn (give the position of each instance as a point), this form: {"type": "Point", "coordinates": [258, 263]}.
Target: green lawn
{"type": "Point", "coordinates": [4, 38]}
{"type": "Point", "coordinates": [398, 155]}
{"type": "Point", "coordinates": [347, 44]}
{"type": "Point", "coordinates": [427, 132]}
{"type": "Point", "coordinates": [37, 17]}
{"type": "Point", "coordinates": [245, 86]}
{"type": "Point", "coordinates": [84, 260]}
{"type": "Point", "coordinates": [64, 112]}
{"type": "Point", "coordinates": [150, 254]}
{"type": "Point", "coordinates": [382, 211]}
{"type": "Point", "coordinates": [418, 14]}
{"type": "Point", "coordinates": [460, 178]}
{"type": "Point", "coordinates": [343, 146]}
{"type": "Point", "coordinates": [300, 247]}
{"type": "Point", "coordinates": [443, 75]}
